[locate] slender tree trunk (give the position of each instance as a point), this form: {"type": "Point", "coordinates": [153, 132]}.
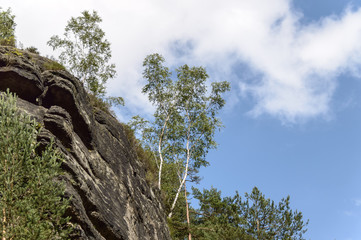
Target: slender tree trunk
{"type": "Point", "coordinates": [160, 164]}
{"type": "Point", "coordinates": [184, 176]}
{"type": "Point", "coordinates": [181, 184]}
{"type": "Point", "coordinates": [187, 209]}
{"type": "Point", "coordinates": [160, 152]}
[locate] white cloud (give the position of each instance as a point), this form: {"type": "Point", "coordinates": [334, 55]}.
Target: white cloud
{"type": "Point", "coordinates": [296, 65]}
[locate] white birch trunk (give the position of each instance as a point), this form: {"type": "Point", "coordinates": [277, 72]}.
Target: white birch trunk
{"type": "Point", "coordinates": [187, 209]}
{"type": "Point", "coordinates": [183, 181]}
{"type": "Point", "coordinates": [160, 153]}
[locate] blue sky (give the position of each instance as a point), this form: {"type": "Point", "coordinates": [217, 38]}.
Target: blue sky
{"type": "Point", "coordinates": [293, 118]}
{"type": "Point", "coordinates": [316, 162]}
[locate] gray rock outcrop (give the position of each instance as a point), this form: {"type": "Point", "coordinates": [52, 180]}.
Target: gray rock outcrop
{"type": "Point", "coordinates": [110, 196]}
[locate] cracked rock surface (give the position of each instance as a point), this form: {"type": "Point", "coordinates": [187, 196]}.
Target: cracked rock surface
{"type": "Point", "coordinates": [110, 197]}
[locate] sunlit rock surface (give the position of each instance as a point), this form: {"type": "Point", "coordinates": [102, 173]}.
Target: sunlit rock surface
{"type": "Point", "coordinates": [110, 197]}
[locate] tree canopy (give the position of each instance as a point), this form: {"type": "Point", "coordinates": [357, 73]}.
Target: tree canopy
{"type": "Point", "coordinates": [7, 28]}
{"type": "Point", "coordinates": [254, 217]}
{"type": "Point", "coordinates": [86, 52]}
{"type": "Point", "coordinates": [185, 119]}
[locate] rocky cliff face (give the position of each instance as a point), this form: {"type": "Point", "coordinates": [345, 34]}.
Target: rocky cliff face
{"type": "Point", "coordinates": [110, 197]}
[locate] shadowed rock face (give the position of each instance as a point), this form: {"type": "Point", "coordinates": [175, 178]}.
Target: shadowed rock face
{"type": "Point", "coordinates": [110, 197]}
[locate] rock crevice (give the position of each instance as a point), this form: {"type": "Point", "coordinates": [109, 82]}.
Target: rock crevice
{"type": "Point", "coordinates": [106, 182]}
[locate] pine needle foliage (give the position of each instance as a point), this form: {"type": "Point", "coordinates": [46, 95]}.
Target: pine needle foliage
{"type": "Point", "coordinates": [251, 217]}
{"type": "Point", "coordinates": [32, 206]}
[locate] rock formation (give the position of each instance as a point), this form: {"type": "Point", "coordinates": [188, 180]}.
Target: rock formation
{"type": "Point", "coordinates": [110, 197]}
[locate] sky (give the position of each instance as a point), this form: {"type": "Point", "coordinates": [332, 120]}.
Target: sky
{"type": "Point", "coordinates": [293, 116]}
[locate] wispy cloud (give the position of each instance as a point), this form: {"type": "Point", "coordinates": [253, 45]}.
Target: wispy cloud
{"type": "Point", "coordinates": [294, 66]}
{"type": "Point", "coordinates": [357, 202]}
{"type": "Point", "coordinates": [349, 213]}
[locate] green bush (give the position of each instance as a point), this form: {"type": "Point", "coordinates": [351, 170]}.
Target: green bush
{"type": "Point", "coordinates": [8, 42]}
{"type": "Point", "coordinates": [145, 155]}
{"type": "Point", "coordinates": [53, 65]}
{"type": "Point", "coordinates": [105, 103]}
{"type": "Point", "coordinates": [32, 205]}
{"type": "Point", "coordinates": [99, 103]}
{"type": "Point", "coordinates": [32, 50]}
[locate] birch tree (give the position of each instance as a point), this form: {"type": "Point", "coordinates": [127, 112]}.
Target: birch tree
{"type": "Point", "coordinates": [160, 89]}
{"type": "Point", "coordinates": [7, 28]}
{"type": "Point", "coordinates": [185, 119]}
{"type": "Point", "coordinates": [86, 53]}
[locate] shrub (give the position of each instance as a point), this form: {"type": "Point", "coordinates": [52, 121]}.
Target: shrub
{"type": "Point", "coordinates": [143, 154]}
{"type": "Point", "coordinates": [53, 65]}
{"type": "Point", "coordinates": [32, 50]}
